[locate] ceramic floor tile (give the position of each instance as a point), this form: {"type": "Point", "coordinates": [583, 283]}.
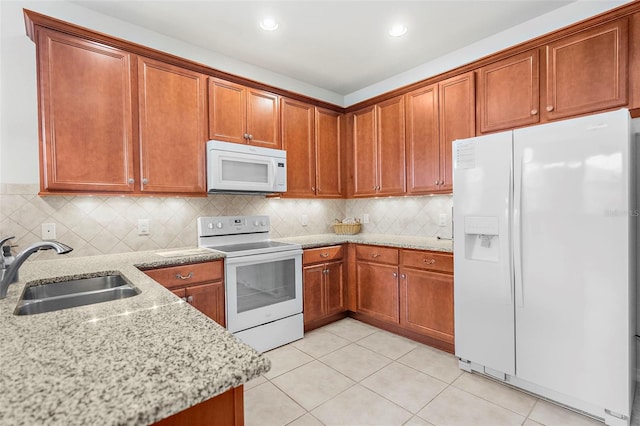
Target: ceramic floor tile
{"type": "Point", "coordinates": [318, 343]}
{"type": "Point", "coordinates": [454, 407]}
{"type": "Point", "coordinates": [387, 344]}
{"type": "Point", "coordinates": [350, 329]}
{"type": "Point", "coordinates": [405, 386]}
{"type": "Point", "coordinates": [530, 422]}
{"type": "Point", "coordinates": [255, 382]}
{"type": "Point", "coordinates": [312, 384]}
{"type": "Point", "coordinates": [497, 393]}
{"type": "Point", "coordinates": [355, 362]}
{"type": "Point", "coordinates": [360, 406]}
{"type": "Point", "coordinates": [266, 405]}
{"type": "Point", "coordinates": [553, 415]}
{"type": "Point", "coordinates": [284, 359]}
{"type": "Point", "coordinates": [434, 362]}
{"type": "Point", "coordinates": [417, 421]}
{"type": "Point", "coordinates": [306, 420]}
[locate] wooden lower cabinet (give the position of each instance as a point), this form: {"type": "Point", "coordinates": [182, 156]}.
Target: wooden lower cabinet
{"type": "Point", "coordinates": [199, 284]}
{"type": "Point", "coordinates": [377, 291]}
{"type": "Point", "coordinates": [226, 409]}
{"type": "Point", "coordinates": [324, 290]}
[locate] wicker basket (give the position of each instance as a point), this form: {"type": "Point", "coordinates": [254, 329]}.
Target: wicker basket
{"type": "Point", "coordinates": [346, 228]}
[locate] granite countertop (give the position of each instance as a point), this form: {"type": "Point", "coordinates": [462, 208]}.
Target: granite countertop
{"type": "Point", "coordinates": [401, 241]}
{"type": "Point", "coordinates": [133, 361]}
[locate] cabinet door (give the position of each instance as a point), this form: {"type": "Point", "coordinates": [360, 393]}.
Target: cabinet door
{"type": "Point", "coordinates": [587, 72]}
{"type": "Point", "coordinates": [328, 154]}
{"type": "Point", "coordinates": [508, 93]}
{"type": "Point", "coordinates": [335, 288]}
{"type": "Point", "coordinates": [173, 127]}
{"type": "Point", "coordinates": [298, 139]}
{"type": "Point", "coordinates": [86, 119]}
{"type": "Point", "coordinates": [390, 145]}
{"type": "Point", "coordinates": [377, 291]}
{"type": "Point", "coordinates": [457, 120]}
{"type": "Point", "coordinates": [208, 299]}
{"type": "Point", "coordinates": [423, 140]}
{"type": "Point", "coordinates": [426, 303]}
{"type": "Point", "coordinates": [263, 118]}
{"type": "Point", "coordinates": [227, 111]}
{"type": "Point", "coordinates": [313, 293]}
{"type": "Point", "coordinates": [364, 153]}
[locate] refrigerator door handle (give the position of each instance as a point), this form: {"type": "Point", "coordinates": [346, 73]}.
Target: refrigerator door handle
{"type": "Point", "coordinates": [517, 230]}
{"type": "Point", "coordinates": [510, 272]}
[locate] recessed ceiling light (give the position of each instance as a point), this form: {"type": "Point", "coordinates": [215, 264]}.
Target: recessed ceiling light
{"type": "Point", "coordinates": [269, 24]}
{"type": "Point", "coordinates": [398, 30]}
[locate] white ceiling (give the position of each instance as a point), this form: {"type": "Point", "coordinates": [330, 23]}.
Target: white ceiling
{"type": "Point", "coordinates": [340, 46]}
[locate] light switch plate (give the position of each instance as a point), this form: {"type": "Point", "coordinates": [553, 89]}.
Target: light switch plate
{"type": "Point", "coordinates": [365, 218]}
{"type": "Point", "coordinates": [442, 220]}
{"type": "Point", "coordinates": [143, 226]}
{"type": "Point", "coordinates": [304, 220]}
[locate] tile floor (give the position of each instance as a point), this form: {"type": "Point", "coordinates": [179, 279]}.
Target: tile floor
{"type": "Point", "coordinates": [349, 373]}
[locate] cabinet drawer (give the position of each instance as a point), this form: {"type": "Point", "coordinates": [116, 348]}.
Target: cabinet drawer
{"type": "Point", "coordinates": [183, 275]}
{"type": "Point", "coordinates": [427, 260]}
{"type": "Point", "coordinates": [322, 254]}
{"type": "Point", "coordinates": [377, 254]}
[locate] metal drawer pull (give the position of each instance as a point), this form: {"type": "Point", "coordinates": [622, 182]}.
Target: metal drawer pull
{"type": "Point", "coordinates": [189, 299]}
{"type": "Point", "coordinates": [374, 255]}
{"type": "Point", "coordinates": [324, 254]}
{"type": "Point", "coordinates": [429, 261]}
{"type": "Point", "coordinates": [403, 276]}
{"type": "Point", "coordinates": [395, 274]}
{"type": "Point", "coordinates": [184, 299]}
{"type": "Point", "coordinates": [188, 277]}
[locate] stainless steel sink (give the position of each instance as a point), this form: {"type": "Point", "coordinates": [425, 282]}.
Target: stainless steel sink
{"type": "Point", "coordinates": [55, 296]}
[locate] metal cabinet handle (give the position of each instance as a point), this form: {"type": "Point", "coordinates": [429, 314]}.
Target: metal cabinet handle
{"type": "Point", "coordinates": [145, 181]}
{"type": "Point", "coordinates": [403, 276]}
{"type": "Point", "coordinates": [189, 299]}
{"type": "Point", "coordinates": [246, 136]}
{"type": "Point", "coordinates": [324, 254]}
{"type": "Point", "coordinates": [313, 188]}
{"type": "Point", "coordinates": [429, 261]}
{"type": "Point", "coordinates": [549, 108]}
{"type": "Point", "coordinates": [374, 255]}
{"type": "Point", "coordinates": [534, 112]}
{"type": "Point", "coordinates": [395, 275]}
{"type": "Point", "coordinates": [130, 181]}
{"type": "Point", "coordinates": [181, 277]}
{"type": "Point", "coordinates": [184, 299]}
{"type": "Point", "coordinates": [250, 136]}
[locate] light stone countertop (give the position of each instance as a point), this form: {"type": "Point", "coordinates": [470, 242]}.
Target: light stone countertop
{"type": "Point", "coordinates": [128, 362]}
{"type": "Point", "coordinates": [400, 241]}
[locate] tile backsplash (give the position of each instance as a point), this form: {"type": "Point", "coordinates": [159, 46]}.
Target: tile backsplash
{"type": "Point", "coordinates": [102, 225]}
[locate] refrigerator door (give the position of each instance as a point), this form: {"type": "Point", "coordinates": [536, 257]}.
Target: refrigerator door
{"type": "Point", "coordinates": [572, 270]}
{"type": "Point", "coordinates": [483, 288]}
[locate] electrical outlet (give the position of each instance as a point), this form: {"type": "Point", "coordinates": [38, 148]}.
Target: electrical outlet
{"type": "Point", "coordinates": [48, 231]}
{"type": "Point", "coordinates": [365, 218]}
{"type": "Point", "coordinates": [304, 220]}
{"type": "Point", "coordinates": [143, 226]}
{"type": "Point", "coordinates": [442, 219]}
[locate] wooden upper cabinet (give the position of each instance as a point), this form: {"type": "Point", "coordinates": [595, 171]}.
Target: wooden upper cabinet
{"type": "Point", "coordinates": [436, 115]}
{"type": "Point", "coordinates": [328, 154]}
{"type": "Point", "coordinates": [508, 93]}
{"type": "Point", "coordinates": [423, 140]}
{"type": "Point", "coordinates": [364, 152]}
{"type": "Point", "coordinates": [587, 72]}
{"type": "Point", "coordinates": [457, 120]}
{"type": "Point", "coordinates": [85, 115]}
{"type": "Point", "coordinates": [173, 127]}
{"type": "Point", "coordinates": [390, 145]}
{"type": "Point", "coordinates": [227, 111]}
{"type": "Point", "coordinates": [241, 114]}
{"type": "Point", "coordinates": [634, 62]}
{"type": "Point", "coordinates": [298, 139]}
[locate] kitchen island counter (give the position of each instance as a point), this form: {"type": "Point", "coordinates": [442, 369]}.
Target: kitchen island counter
{"type": "Point", "coordinates": [131, 361]}
{"type": "Point", "coordinates": [400, 241]}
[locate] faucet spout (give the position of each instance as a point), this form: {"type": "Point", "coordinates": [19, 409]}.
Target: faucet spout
{"type": "Point", "coordinates": [10, 273]}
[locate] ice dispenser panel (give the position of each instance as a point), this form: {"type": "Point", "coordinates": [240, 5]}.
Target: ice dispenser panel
{"type": "Point", "coordinates": [482, 238]}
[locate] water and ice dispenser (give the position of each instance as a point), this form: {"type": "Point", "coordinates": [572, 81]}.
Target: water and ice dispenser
{"type": "Point", "coordinates": [482, 238]}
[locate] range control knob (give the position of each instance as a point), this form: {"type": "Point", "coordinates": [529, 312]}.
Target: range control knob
{"type": "Point", "coordinates": [210, 225]}
{"type": "Point", "coordinates": [256, 223]}
{"type": "Point", "coordinates": [219, 225]}
{"type": "Point", "coordinates": [263, 223]}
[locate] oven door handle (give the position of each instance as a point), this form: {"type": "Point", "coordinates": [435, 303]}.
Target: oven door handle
{"type": "Point", "coordinates": [263, 258]}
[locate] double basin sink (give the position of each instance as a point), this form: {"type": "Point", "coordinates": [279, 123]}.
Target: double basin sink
{"type": "Point", "coordinates": [55, 296]}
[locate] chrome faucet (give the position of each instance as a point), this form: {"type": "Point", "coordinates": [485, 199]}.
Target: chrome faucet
{"type": "Point", "coordinates": [23, 255]}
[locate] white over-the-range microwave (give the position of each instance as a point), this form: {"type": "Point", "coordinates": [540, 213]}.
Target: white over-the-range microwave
{"type": "Point", "coordinates": [244, 169]}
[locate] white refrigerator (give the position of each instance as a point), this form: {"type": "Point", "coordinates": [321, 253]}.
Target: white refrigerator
{"type": "Point", "coordinates": [544, 261]}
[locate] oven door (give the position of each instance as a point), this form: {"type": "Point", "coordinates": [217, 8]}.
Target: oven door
{"type": "Point", "coordinates": [262, 288]}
